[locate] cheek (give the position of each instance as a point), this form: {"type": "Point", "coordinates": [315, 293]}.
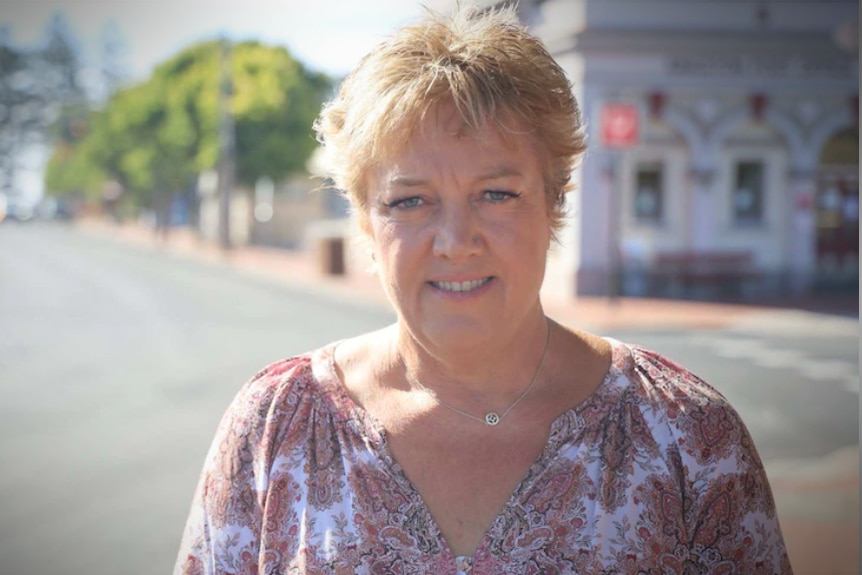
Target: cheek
{"type": "Point", "coordinates": [390, 248]}
{"type": "Point", "coordinates": [522, 233]}
{"type": "Point", "coordinates": [541, 228]}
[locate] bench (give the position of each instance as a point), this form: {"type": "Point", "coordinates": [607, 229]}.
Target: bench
{"type": "Point", "coordinates": [693, 272]}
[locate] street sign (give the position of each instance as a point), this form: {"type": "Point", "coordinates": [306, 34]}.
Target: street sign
{"type": "Point", "coordinates": [619, 125]}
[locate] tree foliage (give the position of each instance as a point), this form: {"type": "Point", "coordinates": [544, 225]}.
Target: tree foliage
{"type": "Point", "coordinates": [276, 102]}
{"type": "Point", "coordinates": [156, 136]}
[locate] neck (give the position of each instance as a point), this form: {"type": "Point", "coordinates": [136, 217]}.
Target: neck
{"type": "Point", "coordinates": [491, 369]}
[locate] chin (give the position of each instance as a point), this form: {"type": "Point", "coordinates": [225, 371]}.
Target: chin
{"type": "Point", "coordinates": [457, 333]}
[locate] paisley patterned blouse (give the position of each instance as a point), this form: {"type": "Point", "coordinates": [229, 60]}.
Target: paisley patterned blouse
{"type": "Point", "coordinates": [653, 474]}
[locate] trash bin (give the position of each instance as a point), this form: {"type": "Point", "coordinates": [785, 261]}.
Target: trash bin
{"type": "Point", "coordinates": [326, 240]}
{"type": "Point", "coordinates": [330, 250]}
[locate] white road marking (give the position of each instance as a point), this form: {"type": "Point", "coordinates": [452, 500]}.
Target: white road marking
{"type": "Point", "coordinates": [769, 355]}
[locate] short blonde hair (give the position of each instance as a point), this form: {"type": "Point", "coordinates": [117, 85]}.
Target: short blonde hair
{"type": "Point", "coordinates": [486, 64]}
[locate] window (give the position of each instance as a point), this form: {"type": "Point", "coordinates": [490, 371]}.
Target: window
{"type": "Point", "coordinates": [649, 193]}
{"type": "Point", "coordinates": [748, 193]}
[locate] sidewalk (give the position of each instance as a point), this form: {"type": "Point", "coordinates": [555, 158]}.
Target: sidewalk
{"type": "Point", "coordinates": [818, 499]}
{"type": "Point", "coordinates": [818, 503]}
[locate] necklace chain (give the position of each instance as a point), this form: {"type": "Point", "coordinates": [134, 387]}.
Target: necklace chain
{"type": "Point", "coordinates": [491, 418]}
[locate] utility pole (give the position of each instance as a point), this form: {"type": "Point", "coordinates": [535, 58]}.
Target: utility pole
{"type": "Point", "coordinates": [620, 130]}
{"type": "Point", "coordinates": [227, 148]}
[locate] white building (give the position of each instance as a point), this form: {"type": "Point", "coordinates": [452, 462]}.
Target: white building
{"type": "Point", "coordinates": [744, 172]}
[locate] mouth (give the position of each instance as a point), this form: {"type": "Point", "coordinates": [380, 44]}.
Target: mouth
{"type": "Point", "coordinates": [460, 287]}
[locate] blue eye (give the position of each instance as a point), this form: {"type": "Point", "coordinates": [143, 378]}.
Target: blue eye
{"type": "Point", "coordinates": [406, 203]}
{"type": "Point", "coordinates": [499, 196]}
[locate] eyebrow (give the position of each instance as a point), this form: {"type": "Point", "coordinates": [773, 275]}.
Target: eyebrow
{"type": "Point", "coordinates": [503, 172]}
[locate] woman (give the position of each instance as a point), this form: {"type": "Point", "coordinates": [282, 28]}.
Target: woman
{"type": "Point", "coordinates": [476, 434]}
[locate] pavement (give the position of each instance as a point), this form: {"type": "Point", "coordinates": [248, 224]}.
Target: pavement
{"type": "Point", "coordinates": [818, 499]}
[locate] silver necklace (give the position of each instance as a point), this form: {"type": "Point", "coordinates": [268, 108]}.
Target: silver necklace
{"type": "Point", "coordinates": [491, 418]}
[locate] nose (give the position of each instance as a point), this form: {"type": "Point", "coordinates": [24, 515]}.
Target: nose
{"type": "Point", "coordinates": [457, 235]}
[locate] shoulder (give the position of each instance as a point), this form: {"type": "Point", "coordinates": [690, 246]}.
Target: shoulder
{"type": "Point", "coordinates": [268, 406]}
{"type": "Point", "coordinates": [232, 488]}
{"type": "Point", "coordinates": [270, 388]}
{"type": "Point", "coordinates": [669, 383]}
{"type": "Point", "coordinates": [726, 495]}
{"type": "Point", "coordinates": [270, 413]}
{"type": "Point", "coordinates": [699, 419]}
{"type": "Point", "coordinates": [717, 478]}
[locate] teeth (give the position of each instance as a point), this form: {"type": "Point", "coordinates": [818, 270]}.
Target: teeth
{"type": "Point", "coordinates": [462, 286]}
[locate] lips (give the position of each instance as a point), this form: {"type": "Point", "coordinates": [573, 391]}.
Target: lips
{"type": "Point", "coordinates": [464, 286]}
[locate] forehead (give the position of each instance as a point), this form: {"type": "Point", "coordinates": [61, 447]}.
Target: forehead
{"type": "Point", "coordinates": [436, 160]}
{"type": "Point", "coordinates": [447, 121]}
{"type": "Point", "coordinates": [444, 140]}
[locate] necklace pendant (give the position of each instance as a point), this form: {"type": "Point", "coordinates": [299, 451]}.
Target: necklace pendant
{"type": "Point", "coordinates": [492, 418]}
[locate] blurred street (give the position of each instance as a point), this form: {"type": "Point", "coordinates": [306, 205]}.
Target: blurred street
{"type": "Point", "coordinates": [115, 367]}
{"type": "Point", "coordinates": [118, 358]}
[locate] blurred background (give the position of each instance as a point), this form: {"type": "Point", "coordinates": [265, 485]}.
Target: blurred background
{"type": "Point", "coordinates": [163, 236]}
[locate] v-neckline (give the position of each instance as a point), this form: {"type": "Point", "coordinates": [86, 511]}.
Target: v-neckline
{"type": "Point", "coordinates": [566, 428]}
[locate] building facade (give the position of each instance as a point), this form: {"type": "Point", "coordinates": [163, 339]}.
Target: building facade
{"type": "Point", "coordinates": [723, 146]}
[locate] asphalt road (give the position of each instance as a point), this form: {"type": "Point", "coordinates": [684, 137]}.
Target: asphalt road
{"type": "Point", "coordinates": [116, 364]}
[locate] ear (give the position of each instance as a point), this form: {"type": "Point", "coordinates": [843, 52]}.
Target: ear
{"type": "Point", "coordinates": [365, 246]}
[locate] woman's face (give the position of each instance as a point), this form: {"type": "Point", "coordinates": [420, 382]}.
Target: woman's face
{"type": "Point", "coordinates": [460, 230]}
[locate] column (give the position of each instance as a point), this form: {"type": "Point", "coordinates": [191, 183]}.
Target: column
{"type": "Point", "coordinates": [801, 234]}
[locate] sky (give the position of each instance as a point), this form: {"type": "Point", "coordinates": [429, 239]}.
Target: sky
{"type": "Point", "coordinates": [327, 35]}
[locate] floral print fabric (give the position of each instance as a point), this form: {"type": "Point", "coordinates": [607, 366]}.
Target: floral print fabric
{"type": "Point", "coordinates": [653, 474]}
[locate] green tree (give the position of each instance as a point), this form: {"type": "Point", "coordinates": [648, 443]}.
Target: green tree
{"type": "Point", "coordinates": [71, 170]}
{"type": "Point", "coordinates": [156, 136]}
{"type": "Point", "coordinates": [276, 101]}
